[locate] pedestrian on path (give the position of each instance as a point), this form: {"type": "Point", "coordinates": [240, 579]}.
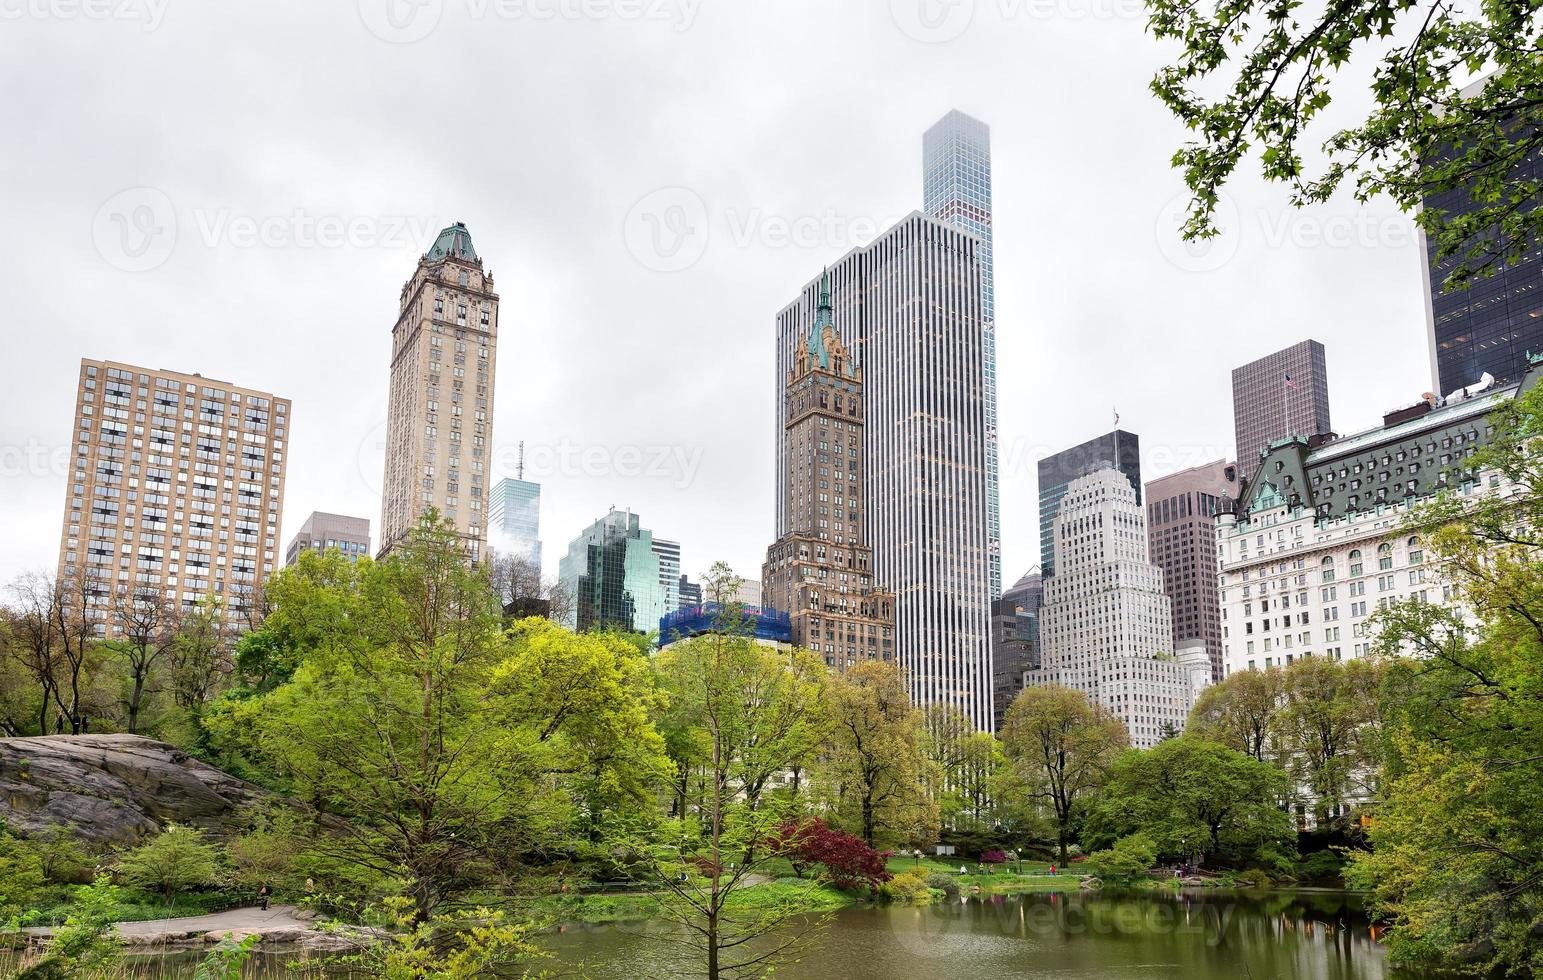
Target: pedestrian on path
{"type": "Point", "coordinates": [263, 896]}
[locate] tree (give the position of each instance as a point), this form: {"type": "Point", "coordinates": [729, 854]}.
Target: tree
{"type": "Point", "coordinates": [1328, 730]}
{"type": "Point", "coordinates": [1191, 797]}
{"type": "Point", "coordinates": [175, 860]}
{"type": "Point", "coordinates": [849, 862]}
{"type": "Point", "coordinates": [741, 705]}
{"type": "Point", "coordinates": [1271, 65]}
{"type": "Point", "coordinates": [452, 747]}
{"type": "Point", "coordinates": [963, 762]}
{"type": "Point", "coordinates": [1060, 747]}
{"type": "Point", "coordinates": [1127, 861]}
{"type": "Point", "coordinates": [33, 644]}
{"type": "Point", "coordinates": [1457, 859]}
{"type": "Point", "coordinates": [1240, 712]}
{"type": "Point", "coordinates": [147, 632]}
{"type": "Point", "coordinates": [200, 655]}
{"type": "Point", "coordinates": [875, 766]}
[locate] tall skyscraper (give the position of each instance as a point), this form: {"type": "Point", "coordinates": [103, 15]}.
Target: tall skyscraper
{"type": "Point", "coordinates": [1490, 327]}
{"type": "Point", "coordinates": [439, 423]}
{"type": "Point", "coordinates": [907, 308]}
{"type": "Point", "coordinates": [1281, 394]}
{"type": "Point", "coordinates": [1181, 527]}
{"type": "Point", "coordinates": [1106, 618]}
{"type": "Point", "coordinates": [514, 519]}
{"type": "Point", "coordinates": [323, 532]}
{"type": "Point", "coordinates": [956, 188]}
{"type": "Point", "coordinates": [1118, 449]}
{"type": "Point", "coordinates": [690, 593]}
{"type": "Point", "coordinates": [821, 571]}
{"type": "Point", "coordinates": [176, 483]}
{"type": "Point", "coordinates": [612, 574]}
{"type": "Point", "coordinates": [668, 553]}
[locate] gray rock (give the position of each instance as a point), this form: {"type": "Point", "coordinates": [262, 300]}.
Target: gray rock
{"type": "Point", "coordinates": [116, 789]}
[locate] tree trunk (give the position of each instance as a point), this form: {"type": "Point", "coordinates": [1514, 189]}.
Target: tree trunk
{"type": "Point", "coordinates": [134, 700]}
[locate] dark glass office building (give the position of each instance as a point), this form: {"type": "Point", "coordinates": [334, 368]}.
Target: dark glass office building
{"type": "Point", "coordinates": [1118, 449]}
{"type": "Point", "coordinates": [1491, 326]}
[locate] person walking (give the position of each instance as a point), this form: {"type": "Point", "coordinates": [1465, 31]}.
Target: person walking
{"type": "Point", "coordinates": [263, 896]}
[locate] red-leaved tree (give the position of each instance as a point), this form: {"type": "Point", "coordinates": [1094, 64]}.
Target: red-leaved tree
{"type": "Point", "coordinates": [848, 861]}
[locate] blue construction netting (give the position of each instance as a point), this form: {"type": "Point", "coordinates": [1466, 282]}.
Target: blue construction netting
{"type": "Point", "coordinates": [712, 617]}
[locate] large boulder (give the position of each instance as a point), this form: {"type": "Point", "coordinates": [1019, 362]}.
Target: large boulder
{"type": "Point", "coordinates": [116, 789]}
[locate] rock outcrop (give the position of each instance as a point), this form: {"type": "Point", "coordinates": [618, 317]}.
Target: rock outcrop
{"type": "Point", "coordinates": [116, 789]}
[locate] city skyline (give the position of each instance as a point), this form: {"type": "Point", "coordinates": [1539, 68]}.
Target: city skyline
{"type": "Point", "coordinates": [710, 443]}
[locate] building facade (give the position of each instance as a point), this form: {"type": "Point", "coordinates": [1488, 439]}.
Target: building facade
{"type": "Point", "coordinates": [690, 593]}
{"type": "Point", "coordinates": [908, 310]}
{"type": "Point", "coordinates": [668, 553]}
{"type": "Point", "coordinates": [176, 483]}
{"type": "Point", "coordinates": [439, 424]}
{"type": "Point", "coordinates": [1118, 449]}
{"type": "Point", "coordinates": [611, 574]}
{"type": "Point", "coordinates": [1015, 638]}
{"type": "Point", "coordinates": [324, 532]}
{"type": "Point", "coordinates": [1105, 628]}
{"type": "Point", "coordinates": [1280, 395]}
{"type": "Point", "coordinates": [821, 571]}
{"type": "Point", "coordinates": [1319, 540]}
{"type": "Point", "coordinates": [514, 519]}
{"type": "Point", "coordinates": [956, 188]}
{"type": "Point", "coordinates": [1491, 326]}
{"type": "Point", "coordinates": [1181, 529]}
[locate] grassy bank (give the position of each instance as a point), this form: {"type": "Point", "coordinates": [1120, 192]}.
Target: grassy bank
{"type": "Point", "coordinates": [635, 906]}
{"type": "Point", "coordinates": [1002, 879]}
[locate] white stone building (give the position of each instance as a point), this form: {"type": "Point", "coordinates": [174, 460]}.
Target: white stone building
{"type": "Point", "coordinates": [1319, 540]}
{"type": "Point", "coordinates": [1106, 625]}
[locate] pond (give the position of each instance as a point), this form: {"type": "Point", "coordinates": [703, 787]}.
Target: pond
{"type": "Point", "coordinates": [1202, 935]}
{"type": "Point", "coordinates": [1303, 935]}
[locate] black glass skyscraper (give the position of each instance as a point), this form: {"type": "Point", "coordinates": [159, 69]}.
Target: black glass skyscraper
{"type": "Point", "coordinates": [1119, 449]}
{"type": "Point", "coordinates": [1491, 326]}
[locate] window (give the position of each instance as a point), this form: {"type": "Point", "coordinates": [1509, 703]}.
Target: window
{"type": "Point", "coordinates": [1328, 570]}
{"type": "Point", "coordinates": [1384, 556]}
{"type": "Point", "coordinates": [1355, 562]}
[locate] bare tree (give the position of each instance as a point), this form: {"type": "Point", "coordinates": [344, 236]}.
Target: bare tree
{"type": "Point", "coordinates": [518, 583]}
{"type": "Point", "coordinates": [147, 632]}
{"type": "Point", "coordinates": [32, 640]}
{"type": "Point", "coordinates": [77, 607]}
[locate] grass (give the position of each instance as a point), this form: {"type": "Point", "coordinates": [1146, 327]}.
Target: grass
{"type": "Point", "coordinates": [1036, 876]}
{"type": "Point", "coordinates": [632, 907]}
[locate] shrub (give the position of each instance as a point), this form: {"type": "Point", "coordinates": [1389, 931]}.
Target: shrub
{"type": "Point", "coordinates": [909, 886]}
{"type": "Point", "coordinates": [848, 861]}
{"type": "Point", "coordinates": [21, 874]}
{"type": "Point", "coordinates": [1320, 866]}
{"type": "Point", "coordinates": [943, 883]}
{"type": "Point", "coordinates": [993, 856]}
{"type": "Point", "coordinates": [176, 860]}
{"type": "Point", "coordinates": [1128, 860]}
{"type": "Point", "coordinates": [1255, 878]}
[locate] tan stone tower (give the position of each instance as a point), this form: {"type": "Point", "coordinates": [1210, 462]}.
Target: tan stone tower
{"type": "Point", "coordinates": [821, 571]}
{"type": "Point", "coordinates": [440, 422]}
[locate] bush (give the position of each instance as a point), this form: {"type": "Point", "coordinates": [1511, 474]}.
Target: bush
{"type": "Point", "coordinates": [1255, 878]}
{"type": "Point", "coordinates": [943, 883]}
{"type": "Point", "coordinates": [1128, 860]}
{"type": "Point", "coordinates": [993, 856]}
{"type": "Point", "coordinates": [1320, 866]}
{"type": "Point", "coordinates": [21, 875]}
{"type": "Point", "coordinates": [909, 886]}
{"type": "Point", "coordinates": [176, 860]}
{"type": "Point", "coordinates": [848, 861]}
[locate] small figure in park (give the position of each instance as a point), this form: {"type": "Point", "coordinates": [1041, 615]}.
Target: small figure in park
{"type": "Point", "coordinates": [263, 896]}
{"type": "Point", "coordinates": [310, 885]}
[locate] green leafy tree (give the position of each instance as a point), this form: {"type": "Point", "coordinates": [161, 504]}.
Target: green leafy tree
{"type": "Point", "coordinates": [84, 947]}
{"type": "Point", "coordinates": [147, 631]}
{"type": "Point", "coordinates": [22, 875]}
{"type": "Point", "coordinates": [1329, 731]}
{"type": "Point", "coordinates": [1457, 858]}
{"type": "Point", "coordinates": [1060, 747]}
{"type": "Point", "coordinates": [1240, 712]}
{"type": "Point", "coordinates": [874, 769]}
{"type": "Point", "coordinates": [175, 860]}
{"type": "Point", "coordinates": [745, 707]}
{"type": "Point", "coordinates": [462, 945]}
{"type": "Point", "coordinates": [1191, 797]}
{"type": "Point", "coordinates": [1258, 74]}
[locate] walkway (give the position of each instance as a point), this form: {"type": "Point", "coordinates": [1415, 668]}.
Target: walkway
{"type": "Point", "coordinates": [253, 918]}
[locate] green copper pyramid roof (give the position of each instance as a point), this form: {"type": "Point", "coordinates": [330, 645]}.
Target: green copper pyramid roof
{"type": "Point", "coordinates": [453, 242]}
{"type": "Point", "coordinates": [822, 319]}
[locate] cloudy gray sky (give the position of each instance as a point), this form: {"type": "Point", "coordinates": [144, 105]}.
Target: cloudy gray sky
{"type": "Point", "coordinates": [241, 189]}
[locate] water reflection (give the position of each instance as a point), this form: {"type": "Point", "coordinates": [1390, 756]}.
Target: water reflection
{"type": "Point", "coordinates": [1204, 936]}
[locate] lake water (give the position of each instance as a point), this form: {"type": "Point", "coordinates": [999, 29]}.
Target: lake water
{"type": "Point", "coordinates": [1295, 935]}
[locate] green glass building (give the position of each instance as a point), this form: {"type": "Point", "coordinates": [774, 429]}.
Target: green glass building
{"type": "Point", "coordinates": [611, 572]}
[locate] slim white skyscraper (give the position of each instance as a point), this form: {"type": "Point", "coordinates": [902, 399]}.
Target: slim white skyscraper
{"type": "Point", "coordinates": [514, 519]}
{"type": "Point", "coordinates": [956, 188]}
{"type": "Point", "coordinates": [908, 307]}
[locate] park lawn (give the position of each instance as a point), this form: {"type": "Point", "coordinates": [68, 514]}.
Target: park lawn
{"type": "Point", "coordinates": [636, 906]}
{"type": "Point", "coordinates": [1036, 875]}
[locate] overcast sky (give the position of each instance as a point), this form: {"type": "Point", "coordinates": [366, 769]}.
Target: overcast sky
{"type": "Point", "coordinates": [240, 190]}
